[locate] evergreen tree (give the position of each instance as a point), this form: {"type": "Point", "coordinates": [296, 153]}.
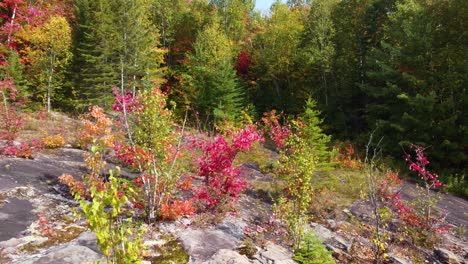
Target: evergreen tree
{"type": "Point", "coordinates": [216, 93]}
{"type": "Point", "coordinates": [94, 63]}
{"type": "Point", "coordinates": [317, 141]}
{"type": "Point", "coordinates": [15, 69]}
{"type": "Point", "coordinates": [117, 46]}
{"type": "Point", "coordinates": [410, 100]}
{"type": "Point", "coordinates": [137, 46]}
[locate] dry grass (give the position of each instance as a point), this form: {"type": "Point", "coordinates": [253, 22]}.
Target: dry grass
{"type": "Point", "coordinates": [41, 126]}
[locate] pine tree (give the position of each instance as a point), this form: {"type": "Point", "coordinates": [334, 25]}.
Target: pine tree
{"type": "Point", "coordinates": [137, 44]}
{"type": "Point", "coordinates": [213, 78]}
{"type": "Point", "coordinates": [94, 63]}
{"type": "Point", "coordinates": [317, 141]}
{"type": "Point", "coordinates": [409, 99]}
{"type": "Point", "coordinates": [117, 46]}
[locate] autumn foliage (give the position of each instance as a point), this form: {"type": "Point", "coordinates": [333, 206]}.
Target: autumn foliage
{"type": "Point", "coordinates": [421, 214]}
{"type": "Point", "coordinates": [222, 180]}
{"type": "Point", "coordinates": [12, 122]}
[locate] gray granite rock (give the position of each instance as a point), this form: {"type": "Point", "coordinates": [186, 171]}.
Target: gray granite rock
{"type": "Point", "coordinates": [329, 237]}
{"type": "Point", "coordinates": [64, 254]}
{"type": "Point", "coordinates": [70, 254]}
{"type": "Point", "coordinates": [89, 240]}
{"type": "Point", "coordinates": [201, 245]}
{"type": "Point", "coordinates": [233, 226]}
{"type": "Point", "coordinates": [399, 260]}
{"type": "Point", "coordinates": [227, 256]}
{"type": "Point", "coordinates": [446, 257]}
{"type": "Point", "coordinates": [273, 253]}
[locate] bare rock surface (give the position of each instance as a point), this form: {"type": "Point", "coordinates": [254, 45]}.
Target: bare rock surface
{"type": "Point", "coordinates": [201, 245]}
{"type": "Point", "coordinates": [30, 187]}
{"type": "Point", "coordinates": [447, 257]}
{"type": "Point", "coordinates": [227, 256]}
{"type": "Point", "coordinates": [64, 254]}
{"type": "Point", "coordinates": [15, 216]}
{"type": "Point", "coordinates": [273, 253]}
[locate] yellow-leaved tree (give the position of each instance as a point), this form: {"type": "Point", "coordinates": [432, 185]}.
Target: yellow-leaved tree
{"type": "Point", "coordinates": [48, 54]}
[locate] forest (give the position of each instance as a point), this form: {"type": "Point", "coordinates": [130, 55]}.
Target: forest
{"type": "Point", "coordinates": [184, 92]}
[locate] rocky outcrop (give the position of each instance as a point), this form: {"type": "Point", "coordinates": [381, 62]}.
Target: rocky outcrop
{"type": "Point", "coordinates": [201, 245]}
{"type": "Point", "coordinates": [447, 257]}
{"type": "Point", "coordinates": [30, 187]}
{"type": "Point", "coordinates": [81, 250]}
{"type": "Point", "coordinates": [65, 254]}
{"type": "Point", "coordinates": [273, 253]}
{"type": "Point", "coordinates": [227, 256]}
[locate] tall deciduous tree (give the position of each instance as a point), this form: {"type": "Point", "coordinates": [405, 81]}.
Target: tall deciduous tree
{"type": "Point", "coordinates": [318, 49]}
{"type": "Point", "coordinates": [48, 52]}
{"type": "Point", "coordinates": [234, 17]}
{"type": "Point", "coordinates": [274, 59]}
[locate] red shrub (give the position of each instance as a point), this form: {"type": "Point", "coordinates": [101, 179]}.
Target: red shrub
{"type": "Point", "coordinates": [222, 180]}
{"type": "Point", "coordinates": [176, 209]}
{"type": "Point", "coordinates": [277, 132]}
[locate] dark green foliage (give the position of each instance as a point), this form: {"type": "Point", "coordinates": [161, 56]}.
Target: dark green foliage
{"type": "Point", "coordinates": [115, 41]}
{"type": "Point", "coordinates": [15, 70]}
{"type": "Point", "coordinates": [408, 97]}
{"type": "Point", "coordinates": [94, 65]}
{"type": "Point", "coordinates": [312, 251]}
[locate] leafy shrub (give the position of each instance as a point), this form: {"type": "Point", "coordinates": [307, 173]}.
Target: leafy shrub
{"type": "Point", "coordinates": [311, 251]}
{"type": "Point", "coordinates": [25, 149]}
{"type": "Point", "coordinates": [12, 122]}
{"type": "Point", "coordinates": [96, 127]}
{"type": "Point", "coordinates": [248, 248]}
{"type": "Point", "coordinates": [11, 119]}
{"type": "Point", "coordinates": [423, 220]}
{"type": "Point", "coordinates": [152, 146]}
{"type": "Point", "coordinates": [222, 180]}
{"type": "Point", "coordinates": [76, 187]}
{"type": "Point", "coordinates": [119, 238]}
{"type": "Point", "coordinates": [277, 132]}
{"type": "Point", "coordinates": [176, 209]}
{"type": "Point", "coordinates": [54, 141]}
{"type": "Point", "coordinates": [347, 157]}
{"type": "Point", "coordinates": [304, 153]}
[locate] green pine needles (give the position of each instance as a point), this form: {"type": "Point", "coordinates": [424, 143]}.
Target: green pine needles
{"type": "Point", "coordinates": [317, 141]}
{"type": "Point", "coordinates": [311, 251]}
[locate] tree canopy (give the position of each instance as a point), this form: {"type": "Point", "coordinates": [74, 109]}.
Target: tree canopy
{"type": "Point", "coordinates": [397, 68]}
